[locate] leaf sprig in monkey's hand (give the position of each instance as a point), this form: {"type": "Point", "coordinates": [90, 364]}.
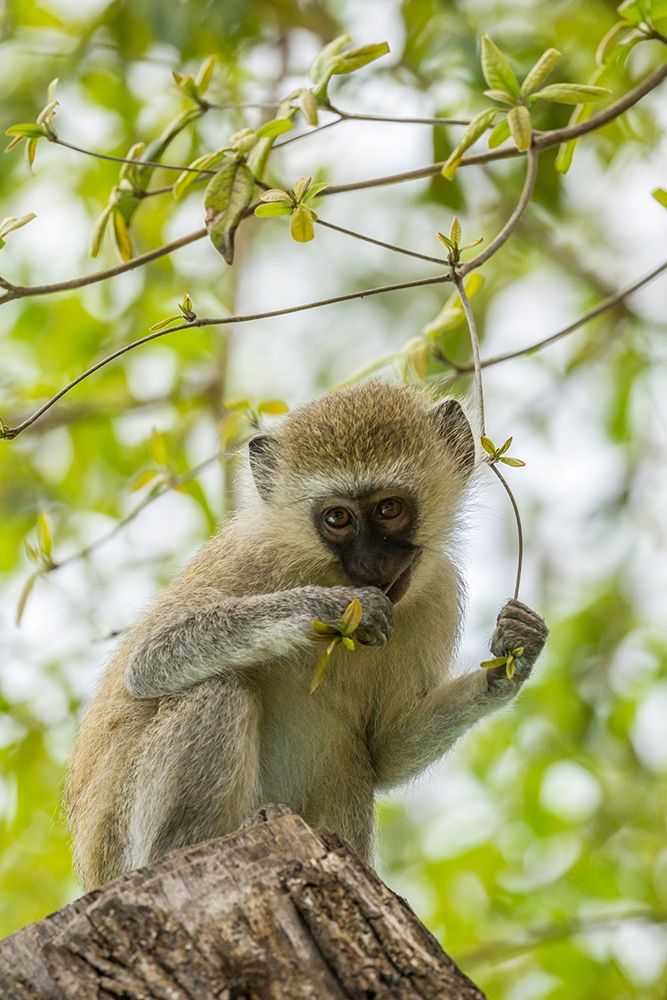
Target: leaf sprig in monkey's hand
{"type": "Point", "coordinates": [508, 661]}
{"type": "Point", "coordinates": [334, 635]}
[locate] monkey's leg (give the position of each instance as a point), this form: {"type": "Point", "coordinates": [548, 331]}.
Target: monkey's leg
{"type": "Point", "coordinates": [197, 771]}
{"type": "Point", "coordinates": [343, 802]}
{"type": "Point", "coordinates": [435, 723]}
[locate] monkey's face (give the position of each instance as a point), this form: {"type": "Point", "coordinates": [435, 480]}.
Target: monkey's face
{"type": "Point", "coordinates": [372, 537]}
{"type": "Point", "coordinates": [362, 486]}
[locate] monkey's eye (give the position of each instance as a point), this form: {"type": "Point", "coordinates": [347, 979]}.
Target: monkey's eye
{"type": "Point", "coordinates": [389, 508]}
{"type": "Point", "coordinates": [337, 517]}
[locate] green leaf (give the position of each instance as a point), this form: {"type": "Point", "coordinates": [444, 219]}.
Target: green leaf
{"type": "Point", "coordinates": [318, 70]}
{"type": "Point", "coordinates": [505, 446]}
{"type": "Point", "coordinates": [566, 149]}
{"type": "Point", "coordinates": [608, 44]}
{"type": "Point", "coordinates": [314, 190]}
{"type": "Point", "coordinates": [355, 59]}
{"type": "Point", "coordinates": [271, 211]}
{"type": "Point", "coordinates": [25, 594]}
{"type": "Point", "coordinates": [243, 141]}
{"type": "Point", "coordinates": [496, 68]}
{"type": "Point", "coordinates": [497, 661]}
{"type": "Point", "coordinates": [660, 196]}
{"type": "Point", "coordinates": [520, 126]}
{"type": "Point", "coordinates": [322, 665]}
{"type": "Point", "coordinates": [276, 194]}
{"type": "Point", "coordinates": [632, 11]}
{"type": "Point", "coordinates": [338, 57]}
{"type": "Point", "coordinates": [205, 74]}
{"type": "Point", "coordinates": [26, 130]}
{"type": "Point", "coordinates": [46, 115]}
{"type": "Point", "coordinates": [12, 222]}
{"type": "Point", "coordinates": [322, 628]}
{"type": "Point", "coordinates": [30, 151]}
{"type": "Point", "coordinates": [540, 71]}
{"type": "Point", "coordinates": [237, 403]}
{"type": "Point", "coordinates": [159, 447]}
{"type": "Point", "coordinates": [44, 535]}
{"type": "Point", "coordinates": [348, 643]}
{"type": "Point", "coordinates": [274, 128]}
{"type": "Point", "coordinates": [226, 198]}
{"type": "Point", "coordinates": [515, 462]}
{"type": "Point", "coordinates": [571, 93]}
{"type": "Point", "coordinates": [273, 407]}
{"type": "Point", "coordinates": [143, 478]}
{"type": "Point", "coordinates": [121, 234]}
{"type": "Point", "coordinates": [187, 308]}
{"type": "Point", "coordinates": [500, 95]}
{"type": "Point", "coordinates": [187, 85]}
{"type": "Point", "coordinates": [351, 619]}
{"type": "Point", "coordinates": [309, 106]}
{"type": "Point", "coordinates": [499, 133]}
{"type": "Point", "coordinates": [477, 127]}
{"type": "Point", "coordinates": [97, 234]}
{"type": "Point", "coordinates": [164, 323]}
{"type": "Point", "coordinates": [188, 178]}
{"type": "Point", "coordinates": [301, 187]}
{"type": "Point", "coordinates": [301, 226]}
{"type": "Point", "coordinates": [488, 446]}
{"type": "Point", "coordinates": [455, 231]}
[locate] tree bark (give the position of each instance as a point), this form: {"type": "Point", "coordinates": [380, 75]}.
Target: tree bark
{"type": "Point", "coordinates": [276, 911]}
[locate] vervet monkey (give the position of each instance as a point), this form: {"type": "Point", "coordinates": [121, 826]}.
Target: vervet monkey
{"type": "Point", "coordinates": [204, 712]}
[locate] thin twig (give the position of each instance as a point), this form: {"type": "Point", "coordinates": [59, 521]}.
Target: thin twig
{"type": "Point", "coordinates": [603, 306]}
{"type": "Point", "coordinates": [519, 529]}
{"type": "Point", "coordinates": [262, 105]}
{"type": "Point", "coordinates": [23, 291]}
{"type": "Point", "coordinates": [125, 159]}
{"type": "Point", "coordinates": [9, 433]}
{"type": "Point", "coordinates": [474, 341]}
{"type": "Point", "coordinates": [544, 140]}
{"type": "Point", "coordinates": [303, 135]}
{"type": "Point", "coordinates": [381, 243]}
{"type": "Point", "coordinates": [506, 231]}
{"type": "Point", "coordinates": [410, 120]}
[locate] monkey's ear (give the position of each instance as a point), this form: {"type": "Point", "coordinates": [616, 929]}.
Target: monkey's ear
{"type": "Point", "coordinates": [453, 426]}
{"type": "Point", "coordinates": [263, 463]}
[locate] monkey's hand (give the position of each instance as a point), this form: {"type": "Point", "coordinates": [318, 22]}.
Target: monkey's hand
{"type": "Point", "coordinates": [376, 607]}
{"type": "Point", "coordinates": [517, 626]}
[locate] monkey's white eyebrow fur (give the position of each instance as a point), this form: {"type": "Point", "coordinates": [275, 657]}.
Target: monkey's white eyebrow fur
{"type": "Point", "coordinates": [347, 483]}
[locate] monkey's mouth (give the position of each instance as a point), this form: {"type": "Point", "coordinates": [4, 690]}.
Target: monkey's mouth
{"type": "Point", "coordinates": [397, 588]}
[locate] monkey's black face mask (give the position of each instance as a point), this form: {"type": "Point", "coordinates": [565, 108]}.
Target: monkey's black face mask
{"type": "Point", "coordinates": [372, 537]}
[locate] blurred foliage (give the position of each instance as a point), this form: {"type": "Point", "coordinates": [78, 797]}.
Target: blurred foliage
{"type": "Point", "coordinates": [547, 875]}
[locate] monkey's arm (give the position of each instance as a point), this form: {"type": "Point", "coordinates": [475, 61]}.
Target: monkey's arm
{"type": "Point", "coordinates": [217, 633]}
{"type": "Point", "coordinates": [434, 724]}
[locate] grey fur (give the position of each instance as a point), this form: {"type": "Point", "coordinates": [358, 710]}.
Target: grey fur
{"type": "Point", "coordinates": [204, 712]}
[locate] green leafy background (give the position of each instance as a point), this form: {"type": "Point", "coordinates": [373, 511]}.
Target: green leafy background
{"type": "Point", "coordinates": [537, 852]}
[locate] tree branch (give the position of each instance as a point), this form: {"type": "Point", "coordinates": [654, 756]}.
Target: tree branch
{"type": "Point", "coordinates": [9, 433]}
{"type": "Point", "coordinates": [506, 231]}
{"type": "Point", "coordinates": [542, 141]}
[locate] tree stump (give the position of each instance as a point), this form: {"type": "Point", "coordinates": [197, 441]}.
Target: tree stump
{"type": "Point", "coordinates": [276, 911]}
